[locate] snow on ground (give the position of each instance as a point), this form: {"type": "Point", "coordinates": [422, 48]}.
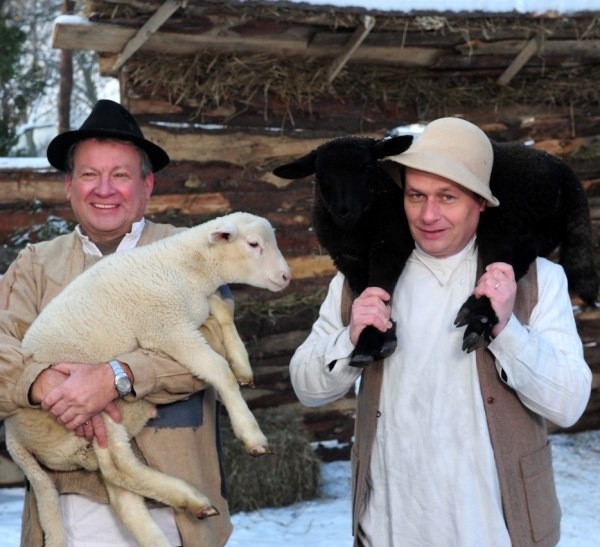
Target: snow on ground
{"type": "Point", "coordinates": [326, 522]}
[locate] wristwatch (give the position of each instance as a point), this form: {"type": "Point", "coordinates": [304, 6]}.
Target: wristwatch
{"type": "Point", "coordinates": [122, 381]}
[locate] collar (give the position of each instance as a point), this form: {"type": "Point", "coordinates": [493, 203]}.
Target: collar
{"type": "Point", "coordinates": [129, 241]}
{"type": "Point", "coordinates": [443, 268]}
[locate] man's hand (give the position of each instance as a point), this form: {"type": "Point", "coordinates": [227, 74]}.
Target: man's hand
{"type": "Point", "coordinates": [75, 394]}
{"type": "Point", "coordinates": [499, 285]}
{"type": "Point", "coordinates": [94, 427]}
{"type": "Point", "coordinates": [370, 308]}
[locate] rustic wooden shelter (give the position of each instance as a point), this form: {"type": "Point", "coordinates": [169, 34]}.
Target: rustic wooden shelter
{"type": "Point", "coordinates": [233, 89]}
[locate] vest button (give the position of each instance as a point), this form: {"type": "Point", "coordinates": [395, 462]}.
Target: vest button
{"type": "Point", "coordinates": [490, 400]}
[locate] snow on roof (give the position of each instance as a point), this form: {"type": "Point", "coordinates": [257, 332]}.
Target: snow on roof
{"type": "Point", "coordinates": [498, 6]}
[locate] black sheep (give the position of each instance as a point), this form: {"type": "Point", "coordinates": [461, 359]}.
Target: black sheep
{"type": "Point", "coordinates": [358, 217]}
{"type": "Point", "coordinates": [542, 206]}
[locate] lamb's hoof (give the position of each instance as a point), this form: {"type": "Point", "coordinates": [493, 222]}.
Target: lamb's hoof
{"type": "Point", "coordinates": [361, 360]}
{"type": "Point", "coordinates": [387, 349]}
{"type": "Point", "coordinates": [209, 511]}
{"type": "Point", "coordinates": [472, 341]}
{"type": "Point", "coordinates": [462, 317]}
{"type": "Point", "coordinates": [261, 450]}
{"type": "Point", "coordinates": [246, 382]}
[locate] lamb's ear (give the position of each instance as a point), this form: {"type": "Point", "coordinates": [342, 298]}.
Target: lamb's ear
{"type": "Point", "coordinates": [302, 167]}
{"type": "Point", "coordinates": [225, 233]}
{"type": "Point", "coordinates": [392, 146]}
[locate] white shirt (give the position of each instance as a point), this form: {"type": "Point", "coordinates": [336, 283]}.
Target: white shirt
{"type": "Point", "coordinates": [433, 476]}
{"type": "Point", "coordinates": [129, 241]}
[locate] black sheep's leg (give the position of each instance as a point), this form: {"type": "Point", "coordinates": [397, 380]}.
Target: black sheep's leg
{"type": "Point", "coordinates": [479, 317]}
{"type": "Point", "coordinates": [389, 261]}
{"type": "Point", "coordinates": [373, 345]}
{"type": "Point", "coordinates": [370, 341]}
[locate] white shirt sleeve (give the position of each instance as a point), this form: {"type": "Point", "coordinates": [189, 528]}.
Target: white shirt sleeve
{"type": "Point", "coordinates": [319, 368]}
{"type": "Point", "coordinates": [543, 361]}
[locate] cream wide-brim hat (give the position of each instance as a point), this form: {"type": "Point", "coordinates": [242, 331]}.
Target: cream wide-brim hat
{"type": "Point", "coordinates": [452, 148]}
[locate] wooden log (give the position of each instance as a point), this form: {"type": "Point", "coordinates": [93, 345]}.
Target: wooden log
{"type": "Point", "coordinates": [238, 148]}
{"type": "Point", "coordinates": [573, 48]}
{"type": "Point", "coordinates": [288, 42]}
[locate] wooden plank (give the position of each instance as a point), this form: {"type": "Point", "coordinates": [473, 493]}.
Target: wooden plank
{"type": "Point", "coordinates": [146, 30]}
{"type": "Point", "coordinates": [30, 188]}
{"type": "Point", "coordinates": [520, 61]}
{"type": "Point", "coordinates": [589, 49]}
{"type": "Point", "coordinates": [311, 266]}
{"type": "Point", "coordinates": [237, 148]}
{"type": "Point", "coordinates": [111, 39]}
{"type": "Point", "coordinates": [189, 204]}
{"type": "Point", "coordinates": [353, 44]}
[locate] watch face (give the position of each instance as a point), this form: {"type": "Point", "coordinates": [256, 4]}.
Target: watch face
{"type": "Point", "coordinates": [123, 384]}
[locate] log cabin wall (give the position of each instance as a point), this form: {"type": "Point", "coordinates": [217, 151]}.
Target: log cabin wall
{"type": "Point", "coordinates": [232, 90]}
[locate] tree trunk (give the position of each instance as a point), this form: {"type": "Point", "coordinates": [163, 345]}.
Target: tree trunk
{"type": "Point", "coordinates": [65, 85]}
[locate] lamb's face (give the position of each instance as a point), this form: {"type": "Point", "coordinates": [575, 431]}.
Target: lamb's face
{"type": "Point", "coordinates": [248, 246]}
{"type": "Point", "coordinates": [346, 179]}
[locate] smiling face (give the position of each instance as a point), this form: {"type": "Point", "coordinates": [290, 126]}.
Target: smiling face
{"type": "Point", "coordinates": [107, 189]}
{"type": "Point", "coordinates": [442, 215]}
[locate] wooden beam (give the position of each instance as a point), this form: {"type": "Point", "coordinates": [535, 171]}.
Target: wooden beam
{"type": "Point", "coordinates": [361, 32]}
{"type": "Point", "coordinates": [589, 49]}
{"type": "Point", "coordinates": [109, 40]}
{"type": "Point", "coordinates": [161, 15]}
{"type": "Point", "coordinates": [519, 62]}
{"type": "Point", "coordinates": [237, 148]}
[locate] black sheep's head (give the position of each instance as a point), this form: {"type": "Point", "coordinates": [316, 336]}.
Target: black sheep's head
{"type": "Point", "coordinates": [346, 173]}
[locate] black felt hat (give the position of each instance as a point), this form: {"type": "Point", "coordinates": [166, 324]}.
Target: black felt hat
{"type": "Point", "coordinates": [107, 119]}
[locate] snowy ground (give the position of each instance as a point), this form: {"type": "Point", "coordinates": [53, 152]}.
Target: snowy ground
{"type": "Point", "coordinates": [326, 522]}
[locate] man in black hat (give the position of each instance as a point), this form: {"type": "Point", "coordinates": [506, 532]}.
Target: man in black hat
{"type": "Point", "coordinates": [109, 170]}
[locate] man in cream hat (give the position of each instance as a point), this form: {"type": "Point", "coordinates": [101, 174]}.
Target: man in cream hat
{"type": "Point", "coordinates": [109, 171]}
{"type": "Point", "coordinates": [451, 447]}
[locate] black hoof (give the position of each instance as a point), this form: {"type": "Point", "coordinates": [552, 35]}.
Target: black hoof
{"type": "Point", "coordinates": [387, 349]}
{"type": "Point", "coordinates": [361, 360]}
{"type": "Point", "coordinates": [473, 341]}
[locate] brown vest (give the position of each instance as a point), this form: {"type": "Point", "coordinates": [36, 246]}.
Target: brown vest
{"type": "Point", "coordinates": [519, 440]}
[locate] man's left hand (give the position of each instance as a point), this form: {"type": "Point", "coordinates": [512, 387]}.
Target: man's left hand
{"type": "Point", "coordinates": [499, 285]}
{"type": "Point", "coordinates": [77, 402]}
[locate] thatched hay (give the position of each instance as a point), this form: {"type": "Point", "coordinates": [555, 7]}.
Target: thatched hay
{"type": "Point", "coordinates": [470, 25]}
{"type": "Point", "coordinates": [289, 475]}
{"type": "Point", "coordinates": [270, 308]}
{"type": "Point", "coordinates": [211, 79]}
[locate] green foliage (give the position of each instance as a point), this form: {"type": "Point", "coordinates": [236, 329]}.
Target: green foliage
{"type": "Point", "coordinates": [21, 80]}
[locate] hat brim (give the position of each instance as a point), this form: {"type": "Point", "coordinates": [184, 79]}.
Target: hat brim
{"type": "Point", "coordinates": [442, 166]}
{"type": "Point", "coordinates": [60, 145]}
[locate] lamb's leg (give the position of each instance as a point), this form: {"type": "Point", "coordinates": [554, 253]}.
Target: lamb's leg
{"type": "Point", "coordinates": [373, 345]}
{"type": "Point", "coordinates": [120, 466]}
{"type": "Point", "coordinates": [237, 356]}
{"type": "Point", "coordinates": [134, 514]}
{"type": "Point", "coordinates": [45, 492]}
{"type": "Point", "coordinates": [480, 318]}
{"type": "Point", "coordinates": [190, 350]}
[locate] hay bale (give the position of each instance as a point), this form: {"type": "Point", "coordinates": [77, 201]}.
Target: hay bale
{"type": "Point", "coordinates": [289, 475]}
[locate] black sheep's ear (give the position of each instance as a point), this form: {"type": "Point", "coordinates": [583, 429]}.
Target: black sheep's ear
{"type": "Point", "coordinates": [302, 167]}
{"type": "Point", "coordinates": [391, 146]}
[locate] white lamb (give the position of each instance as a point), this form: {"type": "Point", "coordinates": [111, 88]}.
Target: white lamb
{"type": "Point", "coordinates": [154, 297]}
